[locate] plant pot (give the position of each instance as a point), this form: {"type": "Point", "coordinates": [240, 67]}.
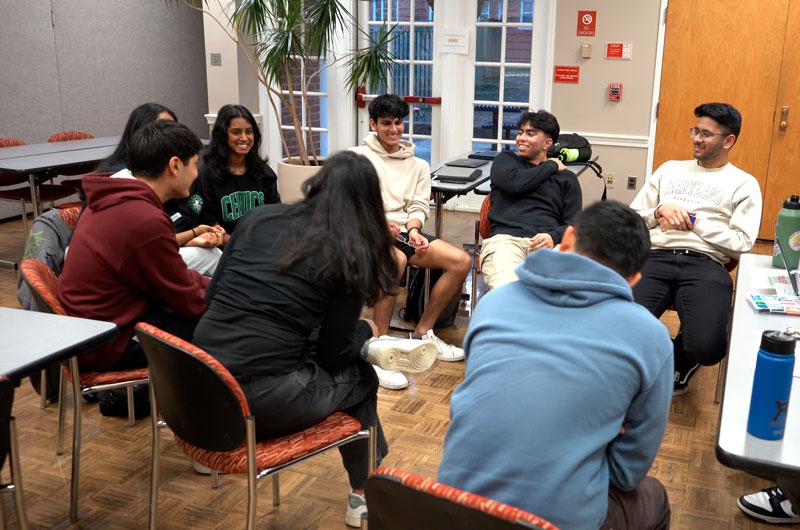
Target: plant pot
{"type": "Point", "coordinates": [291, 177]}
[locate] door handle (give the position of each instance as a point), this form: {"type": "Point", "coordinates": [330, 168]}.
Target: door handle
{"type": "Point", "coordinates": [784, 118]}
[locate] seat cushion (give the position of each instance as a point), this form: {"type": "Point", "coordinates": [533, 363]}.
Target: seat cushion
{"type": "Point", "coordinates": [271, 453]}
{"type": "Point", "coordinates": [108, 378]}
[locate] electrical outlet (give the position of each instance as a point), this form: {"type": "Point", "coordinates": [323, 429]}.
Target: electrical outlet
{"type": "Point", "coordinates": [610, 179]}
{"type": "Point", "coordinates": [631, 182]}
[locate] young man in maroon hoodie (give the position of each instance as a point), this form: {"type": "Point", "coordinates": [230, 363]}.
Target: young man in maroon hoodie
{"type": "Point", "coordinates": [123, 263]}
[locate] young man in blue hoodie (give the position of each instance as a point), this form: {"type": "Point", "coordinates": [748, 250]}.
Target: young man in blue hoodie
{"type": "Point", "coordinates": [568, 384]}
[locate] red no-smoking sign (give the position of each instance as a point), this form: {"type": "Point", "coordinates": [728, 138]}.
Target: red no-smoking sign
{"type": "Point", "coordinates": [587, 21]}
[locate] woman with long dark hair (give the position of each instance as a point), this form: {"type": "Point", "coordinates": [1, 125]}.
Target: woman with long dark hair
{"type": "Point", "coordinates": [285, 304]}
{"type": "Point", "coordinates": [234, 179]}
{"type": "Point", "coordinates": [140, 116]}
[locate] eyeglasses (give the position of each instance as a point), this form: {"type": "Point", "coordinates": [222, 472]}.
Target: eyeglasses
{"type": "Point", "coordinates": [705, 135]}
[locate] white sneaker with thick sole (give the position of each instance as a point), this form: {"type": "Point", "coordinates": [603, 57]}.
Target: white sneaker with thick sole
{"type": "Point", "coordinates": [389, 379]}
{"type": "Point", "coordinates": [398, 354]}
{"type": "Point", "coordinates": [770, 505]}
{"type": "Point", "coordinates": [447, 352]}
{"type": "Point", "coordinates": [356, 507]}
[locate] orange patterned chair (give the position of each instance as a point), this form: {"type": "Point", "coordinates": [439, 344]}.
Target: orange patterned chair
{"type": "Point", "coordinates": [398, 500]}
{"type": "Point", "coordinates": [66, 136]}
{"type": "Point", "coordinates": [44, 285]}
{"type": "Point", "coordinates": [22, 194]}
{"type": "Point", "coordinates": [207, 410]}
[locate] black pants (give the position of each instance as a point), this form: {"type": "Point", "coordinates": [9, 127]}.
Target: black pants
{"type": "Point", "coordinates": [700, 288]}
{"type": "Point", "coordinates": [164, 318]}
{"type": "Point", "coordinates": [288, 403]}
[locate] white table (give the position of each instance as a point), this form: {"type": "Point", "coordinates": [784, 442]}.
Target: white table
{"type": "Point", "coordinates": [30, 341]}
{"type": "Point", "coordinates": [736, 448]}
{"type": "Point", "coordinates": [37, 161]}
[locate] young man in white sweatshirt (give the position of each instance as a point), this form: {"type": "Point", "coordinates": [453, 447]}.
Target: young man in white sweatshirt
{"type": "Point", "coordinates": [406, 189]}
{"type": "Point", "coordinates": [702, 214]}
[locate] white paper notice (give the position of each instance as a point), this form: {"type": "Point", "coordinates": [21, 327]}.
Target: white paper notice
{"type": "Point", "coordinates": [454, 41]}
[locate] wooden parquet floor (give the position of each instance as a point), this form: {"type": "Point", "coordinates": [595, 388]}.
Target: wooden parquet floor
{"type": "Point", "coordinates": [114, 484]}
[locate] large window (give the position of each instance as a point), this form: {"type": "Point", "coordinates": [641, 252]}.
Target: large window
{"type": "Point", "coordinates": [412, 49]}
{"type": "Point", "coordinates": [503, 48]}
{"type": "Point", "coordinates": [313, 110]}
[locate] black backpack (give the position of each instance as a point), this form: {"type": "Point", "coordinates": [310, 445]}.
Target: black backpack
{"type": "Point", "coordinates": [415, 301]}
{"type": "Point", "coordinates": [573, 148]}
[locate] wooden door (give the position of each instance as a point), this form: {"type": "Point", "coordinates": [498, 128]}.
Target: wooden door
{"type": "Point", "coordinates": [722, 51]}
{"type": "Point", "coordinates": [783, 176]}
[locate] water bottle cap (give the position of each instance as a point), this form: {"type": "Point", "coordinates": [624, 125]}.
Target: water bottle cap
{"type": "Point", "coordinates": [792, 203]}
{"type": "Point", "coordinates": [777, 342]}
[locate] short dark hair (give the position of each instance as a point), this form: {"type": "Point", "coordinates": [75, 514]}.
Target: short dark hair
{"type": "Point", "coordinates": [724, 114]}
{"type": "Point", "coordinates": [387, 106]}
{"type": "Point", "coordinates": [542, 120]}
{"type": "Point", "coordinates": [612, 234]}
{"type": "Point", "coordinates": [152, 146]}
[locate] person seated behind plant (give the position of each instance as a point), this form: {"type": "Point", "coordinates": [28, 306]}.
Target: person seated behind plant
{"type": "Point", "coordinates": [285, 305]}
{"type": "Point", "coordinates": [198, 242]}
{"type": "Point", "coordinates": [234, 178]}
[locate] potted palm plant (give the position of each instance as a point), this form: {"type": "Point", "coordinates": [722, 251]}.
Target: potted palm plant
{"type": "Point", "coordinates": [277, 36]}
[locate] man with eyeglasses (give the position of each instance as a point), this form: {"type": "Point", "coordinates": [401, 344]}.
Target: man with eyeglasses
{"type": "Point", "coordinates": [533, 199]}
{"type": "Point", "coordinates": [702, 214]}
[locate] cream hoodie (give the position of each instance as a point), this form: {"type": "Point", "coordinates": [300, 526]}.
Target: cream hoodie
{"type": "Point", "coordinates": [405, 180]}
{"type": "Point", "coordinates": [726, 200]}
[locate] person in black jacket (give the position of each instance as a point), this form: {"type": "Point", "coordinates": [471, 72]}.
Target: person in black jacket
{"type": "Point", "coordinates": [234, 178]}
{"type": "Point", "coordinates": [533, 199]}
{"type": "Point", "coordinates": [285, 305]}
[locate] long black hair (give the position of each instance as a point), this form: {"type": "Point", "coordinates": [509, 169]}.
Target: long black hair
{"type": "Point", "coordinates": [216, 157]}
{"type": "Point", "coordinates": [341, 223]}
{"type": "Point", "coordinates": [140, 116]}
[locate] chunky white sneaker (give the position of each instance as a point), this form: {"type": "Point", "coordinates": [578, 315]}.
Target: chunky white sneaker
{"type": "Point", "coordinates": [769, 505]}
{"type": "Point", "coordinates": [394, 353]}
{"type": "Point", "coordinates": [389, 379]}
{"type": "Point", "coordinates": [356, 507]}
{"type": "Point", "coordinates": [447, 352]}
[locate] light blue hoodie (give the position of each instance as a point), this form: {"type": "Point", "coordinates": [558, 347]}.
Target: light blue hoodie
{"type": "Point", "coordinates": [557, 363]}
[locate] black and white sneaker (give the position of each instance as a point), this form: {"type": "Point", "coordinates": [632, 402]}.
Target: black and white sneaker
{"type": "Point", "coordinates": [769, 505]}
{"type": "Point", "coordinates": [682, 376]}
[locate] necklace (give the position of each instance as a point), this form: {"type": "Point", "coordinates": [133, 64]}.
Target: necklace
{"type": "Point", "coordinates": [237, 170]}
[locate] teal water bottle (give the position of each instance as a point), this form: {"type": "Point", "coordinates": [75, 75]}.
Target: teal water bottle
{"type": "Point", "coordinates": [788, 231]}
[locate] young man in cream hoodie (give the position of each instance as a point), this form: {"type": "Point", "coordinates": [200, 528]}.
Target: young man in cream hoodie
{"type": "Point", "coordinates": [702, 214]}
{"type": "Point", "coordinates": [406, 189]}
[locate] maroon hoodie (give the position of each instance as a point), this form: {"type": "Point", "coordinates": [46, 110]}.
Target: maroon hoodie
{"type": "Point", "coordinates": [123, 260]}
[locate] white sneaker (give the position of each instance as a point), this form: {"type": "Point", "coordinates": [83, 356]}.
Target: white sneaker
{"type": "Point", "coordinates": [356, 507]}
{"type": "Point", "coordinates": [389, 379]}
{"type": "Point", "coordinates": [394, 353]}
{"type": "Point", "coordinates": [447, 352]}
{"type": "Point", "coordinates": [770, 505]}
{"type": "Point", "coordinates": [201, 469]}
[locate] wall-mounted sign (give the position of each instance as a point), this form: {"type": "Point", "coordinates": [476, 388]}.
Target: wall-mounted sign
{"type": "Point", "coordinates": [587, 21]}
{"type": "Point", "coordinates": [619, 50]}
{"type": "Point", "coordinates": [454, 41]}
{"type": "Point", "coordinates": [566, 74]}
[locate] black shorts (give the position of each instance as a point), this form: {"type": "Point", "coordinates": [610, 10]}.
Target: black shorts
{"type": "Point", "coordinates": [401, 242]}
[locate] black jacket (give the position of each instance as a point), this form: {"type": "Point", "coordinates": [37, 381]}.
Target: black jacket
{"type": "Point", "coordinates": [530, 199]}
{"type": "Point", "coordinates": [264, 322]}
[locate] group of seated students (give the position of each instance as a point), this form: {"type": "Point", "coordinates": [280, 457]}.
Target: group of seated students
{"type": "Point", "coordinates": [569, 374]}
